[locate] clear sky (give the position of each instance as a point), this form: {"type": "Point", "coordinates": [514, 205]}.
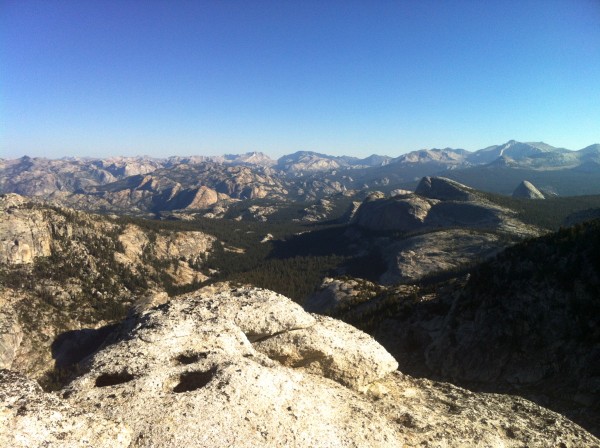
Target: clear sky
{"type": "Point", "coordinates": [162, 78]}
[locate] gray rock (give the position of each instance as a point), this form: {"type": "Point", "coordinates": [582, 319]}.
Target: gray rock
{"type": "Point", "coordinates": [24, 234]}
{"type": "Point", "coordinates": [186, 374]}
{"type": "Point", "coordinates": [11, 333]}
{"type": "Point", "coordinates": [31, 418]}
{"type": "Point", "coordinates": [331, 349]}
{"type": "Point", "coordinates": [335, 295]}
{"type": "Point", "coordinates": [438, 203]}
{"type": "Point", "coordinates": [401, 213]}
{"type": "Point", "coordinates": [443, 189]}
{"type": "Point", "coordinates": [527, 190]}
{"type": "Point", "coordinates": [421, 255]}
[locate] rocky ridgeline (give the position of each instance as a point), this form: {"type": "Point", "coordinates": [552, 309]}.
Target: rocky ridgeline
{"type": "Point", "coordinates": [181, 187]}
{"type": "Point", "coordinates": [148, 185]}
{"type": "Point", "coordinates": [247, 367]}
{"type": "Point", "coordinates": [61, 270]}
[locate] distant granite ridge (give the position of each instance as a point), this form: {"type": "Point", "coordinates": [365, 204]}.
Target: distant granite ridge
{"type": "Point", "coordinates": [118, 184]}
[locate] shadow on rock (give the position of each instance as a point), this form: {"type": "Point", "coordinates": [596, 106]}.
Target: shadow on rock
{"type": "Point", "coordinates": [69, 349]}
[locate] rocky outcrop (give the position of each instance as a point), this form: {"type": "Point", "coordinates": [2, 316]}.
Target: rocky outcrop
{"type": "Point", "coordinates": [443, 189]}
{"type": "Point", "coordinates": [413, 258]}
{"type": "Point", "coordinates": [195, 198]}
{"type": "Point", "coordinates": [11, 333]}
{"type": "Point", "coordinates": [183, 248]}
{"type": "Point", "coordinates": [188, 372]}
{"type": "Point", "coordinates": [400, 213]}
{"type": "Point", "coordinates": [335, 295]}
{"type": "Point", "coordinates": [247, 367]}
{"type": "Point", "coordinates": [32, 418]}
{"type": "Point", "coordinates": [318, 211]}
{"type": "Point", "coordinates": [81, 271]}
{"type": "Point", "coordinates": [24, 233]}
{"type": "Point", "coordinates": [332, 349]}
{"type": "Point", "coordinates": [438, 203]}
{"type": "Point", "coordinates": [526, 190]}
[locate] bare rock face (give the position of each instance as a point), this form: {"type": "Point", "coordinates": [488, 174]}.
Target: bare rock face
{"type": "Point", "coordinates": [421, 255]}
{"type": "Point", "coordinates": [307, 162]}
{"type": "Point", "coordinates": [318, 211]}
{"type": "Point", "coordinates": [438, 203]}
{"type": "Point", "coordinates": [203, 197]}
{"type": "Point", "coordinates": [11, 333]}
{"type": "Point", "coordinates": [24, 234]}
{"type": "Point", "coordinates": [443, 189]}
{"type": "Point", "coordinates": [186, 373]}
{"type": "Point", "coordinates": [184, 247]}
{"type": "Point", "coordinates": [403, 214]}
{"type": "Point", "coordinates": [324, 349]}
{"type": "Point", "coordinates": [334, 295]}
{"type": "Point", "coordinates": [32, 418]}
{"type": "Point", "coordinates": [247, 367]}
{"type": "Point", "coordinates": [527, 190]}
{"type": "Point", "coordinates": [432, 414]}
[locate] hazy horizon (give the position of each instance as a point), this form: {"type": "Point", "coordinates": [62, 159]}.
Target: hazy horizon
{"type": "Point", "coordinates": [166, 156]}
{"type": "Point", "coordinates": [124, 78]}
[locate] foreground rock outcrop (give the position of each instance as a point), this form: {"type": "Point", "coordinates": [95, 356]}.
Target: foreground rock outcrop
{"type": "Point", "coordinates": [32, 418]}
{"type": "Point", "coordinates": [193, 370]}
{"type": "Point", "coordinates": [247, 367]}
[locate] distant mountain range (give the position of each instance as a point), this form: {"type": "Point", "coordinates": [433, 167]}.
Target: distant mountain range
{"type": "Point", "coordinates": [197, 182]}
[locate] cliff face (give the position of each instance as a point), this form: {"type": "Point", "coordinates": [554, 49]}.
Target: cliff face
{"type": "Point", "coordinates": [24, 233]}
{"type": "Point", "coordinates": [61, 270]}
{"type": "Point", "coordinates": [247, 367]}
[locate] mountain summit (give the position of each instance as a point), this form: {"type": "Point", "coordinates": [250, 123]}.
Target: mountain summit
{"type": "Point", "coordinates": [527, 190]}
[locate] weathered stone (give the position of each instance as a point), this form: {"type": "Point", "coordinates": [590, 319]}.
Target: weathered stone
{"type": "Point", "coordinates": [401, 214]}
{"type": "Point", "coordinates": [24, 234]}
{"type": "Point", "coordinates": [11, 334]}
{"type": "Point", "coordinates": [186, 374]}
{"type": "Point", "coordinates": [421, 255]}
{"type": "Point", "coordinates": [31, 418]}
{"type": "Point", "coordinates": [332, 349]}
{"type": "Point", "coordinates": [335, 295]}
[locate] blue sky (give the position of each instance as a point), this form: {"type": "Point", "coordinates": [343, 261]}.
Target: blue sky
{"type": "Point", "coordinates": [102, 78]}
